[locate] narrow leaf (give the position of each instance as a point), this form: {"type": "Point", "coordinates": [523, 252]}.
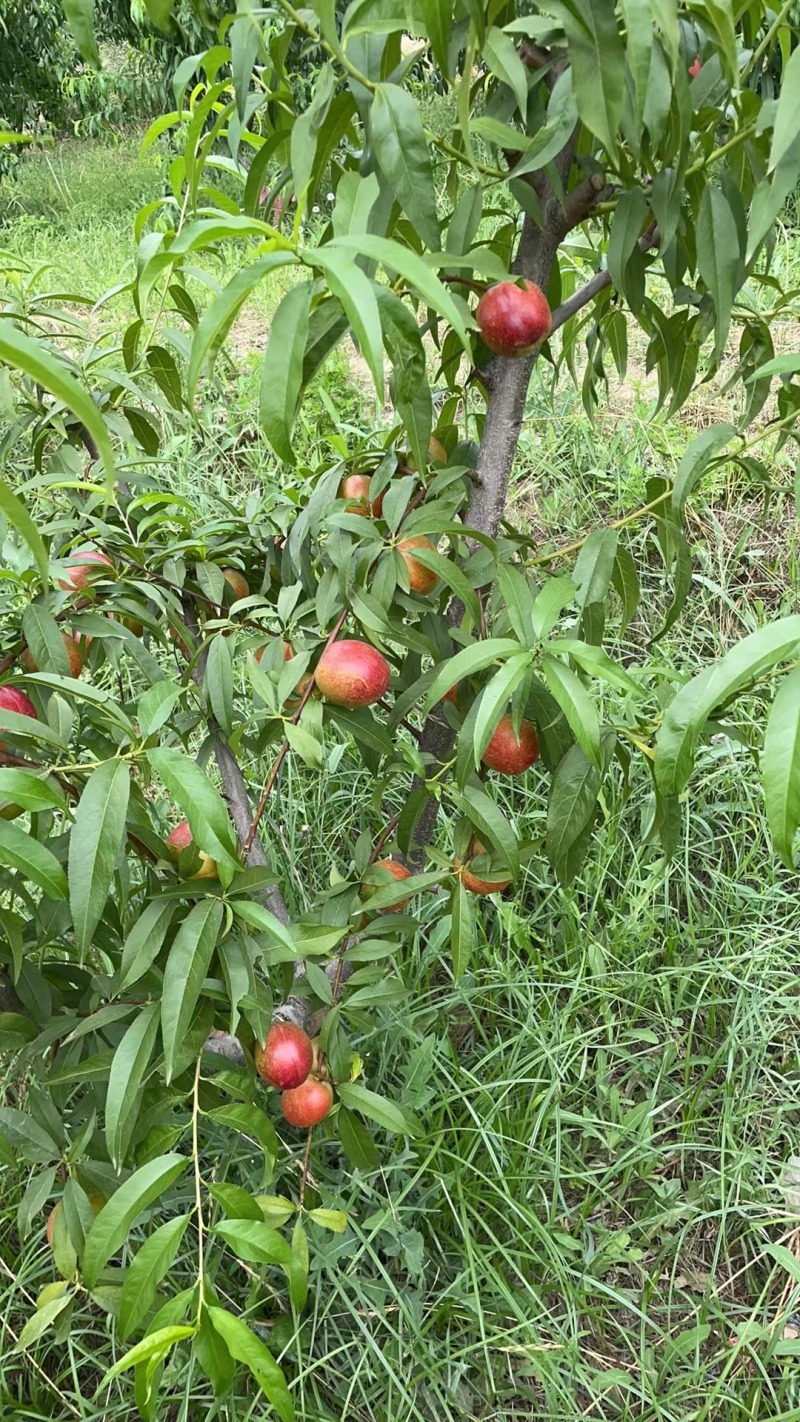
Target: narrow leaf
{"type": "Point", "coordinates": [282, 369]}
{"type": "Point", "coordinates": [780, 767]}
{"type": "Point", "coordinates": [94, 845]}
{"type": "Point", "coordinates": [187, 965]}
{"type": "Point", "coordinates": [130, 1063]}
{"type": "Point", "coordinates": [145, 1273]}
{"type": "Point", "coordinates": [112, 1226]}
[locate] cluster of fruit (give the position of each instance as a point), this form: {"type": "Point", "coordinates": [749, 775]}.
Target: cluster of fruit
{"type": "Point", "coordinates": [293, 1064]}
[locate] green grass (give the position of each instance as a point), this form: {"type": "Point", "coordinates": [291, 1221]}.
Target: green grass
{"type": "Point", "coordinates": [608, 1097]}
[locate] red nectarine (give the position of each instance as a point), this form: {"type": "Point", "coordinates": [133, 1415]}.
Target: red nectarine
{"type": "Point", "coordinates": [286, 1057]}
{"type": "Point", "coordinates": [513, 319]}
{"type": "Point", "coordinates": [421, 578]}
{"type": "Point", "coordinates": [509, 754]}
{"type": "Point", "coordinates": [307, 1105]}
{"type": "Point", "coordinates": [351, 673]}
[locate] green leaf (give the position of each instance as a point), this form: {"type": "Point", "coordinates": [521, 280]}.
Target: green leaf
{"type": "Point", "coordinates": [19, 850]}
{"type": "Point", "coordinates": [462, 929]}
{"type": "Point", "coordinates": [131, 1060]}
{"type": "Point", "coordinates": [237, 1203]}
{"type": "Point", "coordinates": [212, 1354]}
{"type": "Point", "coordinates": [549, 603]}
{"type": "Point", "coordinates": [94, 845]}
{"type": "Point", "coordinates": [200, 802]}
{"type": "Point", "coordinates": [306, 128]}
{"type": "Point", "coordinates": [401, 149]}
{"type": "Point", "coordinates": [490, 822]}
{"type": "Point", "coordinates": [250, 1121]}
{"type": "Point", "coordinates": [43, 368]}
{"type": "Point", "coordinates": [146, 1271]}
{"type": "Point", "coordinates": [502, 58]}
{"type": "Point", "coordinates": [787, 119]}
{"type": "Point", "coordinates": [638, 20]}
{"type": "Point", "coordinates": [718, 15]}
{"type": "Point", "coordinates": [221, 314]}
{"type": "Point", "coordinates": [625, 580]}
{"type": "Point", "coordinates": [696, 458]}
{"type": "Point", "coordinates": [17, 514]}
{"type": "Point", "coordinates": [596, 662]}
{"type": "Point", "coordinates": [577, 705]}
{"type": "Point", "coordinates": [27, 1138]}
{"type": "Point", "coordinates": [80, 19]}
{"type": "Point", "coordinates": [780, 767]}
{"type": "Point", "coordinates": [357, 295]}
{"type": "Point", "coordinates": [493, 700]}
{"type": "Point", "coordinates": [219, 682]}
{"type": "Point", "coordinates": [466, 663]}
{"type": "Point", "coordinates": [282, 369]}
{"type": "Point", "coordinates": [451, 575]}
{"type": "Point", "coordinates": [417, 272]}
{"type": "Point", "coordinates": [594, 567]}
{"type": "Point", "coordinates": [687, 713]}
{"type": "Point", "coordinates": [298, 1274]}
{"type": "Point", "coordinates": [357, 1143]}
{"type": "Point", "coordinates": [152, 1349]}
{"type": "Point", "coordinates": [334, 1220]}
{"type": "Point", "coordinates": [143, 943]}
{"type": "Point", "coordinates": [385, 1113]}
{"type": "Point", "coordinates": [625, 257]}
{"type": "Point", "coordinates": [42, 1319]}
{"type": "Point", "coordinates": [570, 811]}
{"type": "Point", "coordinates": [45, 640]}
{"type": "Point", "coordinates": [562, 115]}
{"type": "Point", "coordinates": [720, 258]}
{"type": "Point", "coordinates": [112, 1226]}
{"type": "Point", "coordinates": [517, 596]}
{"type": "Point", "coordinates": [597, 59]}
{"type": "Point", "coordinates": [185, 972]}
{"type": "Point", "coordinates": [256, 1242]}
{"type": "Point", "coordinates": [156, 706]}
{"type": "Point", "coordinates": [436, 17]}
{"type": "Point", "coordinates": [160, 12]}
{"type": "Point", "coordinates": [243, 1345]}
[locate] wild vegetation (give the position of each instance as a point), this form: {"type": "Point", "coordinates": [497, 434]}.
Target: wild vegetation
{"type": "Point", "coordinates": [552, 1081]}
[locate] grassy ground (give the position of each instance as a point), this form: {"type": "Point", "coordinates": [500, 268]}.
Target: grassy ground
{"type": "Point", "coordinates": [591, 1225]}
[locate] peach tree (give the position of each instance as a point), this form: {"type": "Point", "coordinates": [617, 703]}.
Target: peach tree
{"type": "Point", "coordinates": [585, 166]}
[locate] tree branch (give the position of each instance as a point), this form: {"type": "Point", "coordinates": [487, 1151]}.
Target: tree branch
{"type": "Point", "coordinates": [596, 284]}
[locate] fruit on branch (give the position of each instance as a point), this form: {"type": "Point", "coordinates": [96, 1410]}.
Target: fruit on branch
{"type": "Point", "coordinates": [286, 1057]}
{"type": "Point", "coordinates": [421, 578]}
{"type": "Point", "coordinates": [437, 454]}
{"type": "Point", "coordinates": [472, 882]}
{"type": "Point", "coordinates": [82, 568]}
{"type": "Point", "coordinates": [694, 69]}
{"type": "Point", "coordinates": [356, 488]}
{"type": "Point", "coordinates": [351, 674]}
{"type": "Point", "coordinates": [513, 319]}
{"type": "Point", "coordinates": [72, 649]}
{"type": "Point", "coordinates": [179, 839]}
{"type": "Point", "coordinates": [13, 700]}
{"type": "Point", "coordinates": [452, 695]}
{"type": "Point", "coordinates": [237, 582]}
{"type": "Point", "coordinates": [307, 1105]}
{"type": "Point", "coordinates": [398, 871]}
{"type": "Point", "coordinates": [508, 753]}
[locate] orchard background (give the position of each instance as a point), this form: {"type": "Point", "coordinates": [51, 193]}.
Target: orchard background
{"type": "Point", "coordinates": [555, 1167]}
